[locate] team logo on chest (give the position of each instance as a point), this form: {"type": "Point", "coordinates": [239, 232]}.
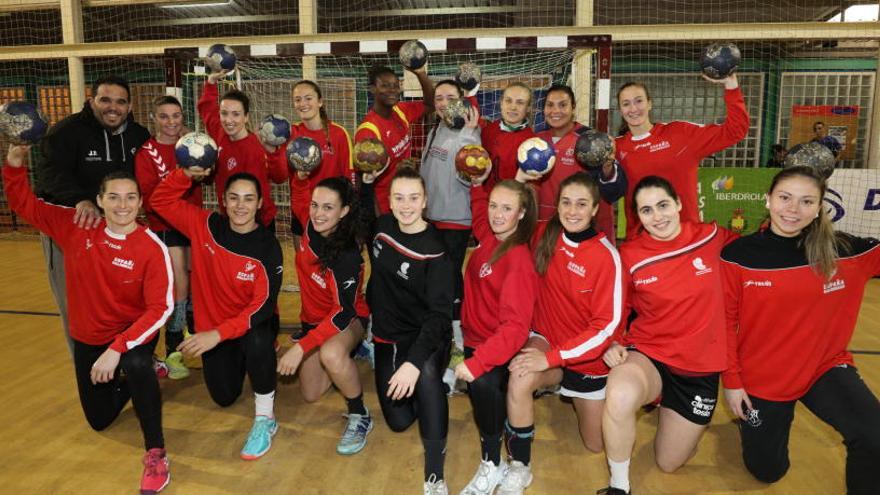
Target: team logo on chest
{"type": "Point", "coordinates": [92, 156]}
{"type": "Point", "coordinates": [833, 286]}
{"type": "Point", "coordinates": [89, 244]}
{"type": "Point", "coordinates": [701, 267]}
{"type": "Point", "coordinates": [645, 281]}
{"type": "Point", "coordinates": [111, 245]}
{"type": "Point", "coordinates": [248, 274]}
{"type": "Point", "coordinates": [485, 270]}
{"type": "Point", "coordinates": [404, 267]}
{"type": "Point", "coordinates": [319, 280]}
{"type": "Point", "coordinates": [231, 163]}
{"type": "Point", "coordinates": [121, 263]}
{"type": "Point", "coordinates": [576, 269]}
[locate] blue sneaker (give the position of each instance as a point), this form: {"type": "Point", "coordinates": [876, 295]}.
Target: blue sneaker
{"type": "Point", "coordinates": [364, 352]}
{"type": "Point", "coordinates": [354, 438]}
{"type": "Point", "coordinates": [260, 438]}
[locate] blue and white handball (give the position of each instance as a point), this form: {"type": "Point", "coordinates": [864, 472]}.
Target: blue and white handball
{"type": "Point", "coordinates": [535, 156]}
{"type": "Point", "coordinates": [220, 57]}
{"type": "Point", "coordinates": [413, 54]}
{"type": "Point", "coordinates": [22, 122]}
{"type": "Point", "coordinates": [274, 130]}
{"type": "Point", "coordinates": [303, 154]}
{"type": "Point", "coordinates": [196, 149]}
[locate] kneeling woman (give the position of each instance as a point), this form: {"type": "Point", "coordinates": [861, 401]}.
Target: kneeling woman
{"type": "Point", "coordinates": [410, 293]}
{"type": "Point", "coordinates": [674, 347]}
{"type": "Point", "coordinates": [500, 286]}
{"type": "Point", "coordinates": [579, 308]}
{"type": "Point", "coordinates": [330, 269]}
{"type": "Point", "coordinates": [120, 287]}
{"type": "Point", "coordinates": [789, 329]}
{"type": "Point", "coordinates": [236, 276]}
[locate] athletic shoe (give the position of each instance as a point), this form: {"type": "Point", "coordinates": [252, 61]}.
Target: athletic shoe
{"type": "Point", "coordinates": [435, 487]}
{"type": "Point", "coordinates": [260, 438]}
{"type": "Point", "coordinates": [156, 475]}
{"type": "Point", "coordinates": [485, 480]}
{"type": "Point", "coordinates": [610, 490]}
{"type": "Point", "coordinates": [364, 351]}
{"type": "Point", "coordinates": [176, 369]}
{"type": "Point", "coordinates": [518, 477]}
{"type": "Point", "coordinates": [354, 438]}
{"type": "Point", "coordinates": [456, 357]}
{"type": "Point", "coordinates": [160, 367]}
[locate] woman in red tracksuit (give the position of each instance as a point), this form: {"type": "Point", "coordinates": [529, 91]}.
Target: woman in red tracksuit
{"type": "Point", "coordinates": [152, 163]}
{"type": "Point", "coordinates": [240, 149]}
{"type": "Point", "coordinates": [793, 293]}
{"type": "Point", "coordinates": [502, 137]}
{"type": "Point", "coordinates": [334, 313]}
{"type": "Point", "coordinates": [119, 284]}
{"type": "Point", "coordinates": [675, 345]}
{"type": "Point", "coordinates": [500, 287]}
{"type": "Point", "coordinates": [672, 150]}
{"type": "Point", "coordinates": [579, 308]}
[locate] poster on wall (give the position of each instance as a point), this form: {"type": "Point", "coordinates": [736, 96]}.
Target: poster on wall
{"type": "Point", "coordinates": [839, 127]}
{"type": "Point", "coordinates": [853, 201]}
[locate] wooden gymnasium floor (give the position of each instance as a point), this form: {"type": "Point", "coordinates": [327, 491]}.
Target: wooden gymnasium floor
{"type": "Point", "coordinates": [47, 447]}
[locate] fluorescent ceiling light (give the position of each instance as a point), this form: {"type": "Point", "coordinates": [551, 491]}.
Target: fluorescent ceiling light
{"type": "Point", "coordinates": [197, 4]}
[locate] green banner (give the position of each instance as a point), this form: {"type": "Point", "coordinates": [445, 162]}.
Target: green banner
{"type": "Point", "coordinates": [734, 197]}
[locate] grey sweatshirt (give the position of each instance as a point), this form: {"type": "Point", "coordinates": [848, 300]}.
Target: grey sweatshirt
{"type": "Point", "coordinates": [449, 197]}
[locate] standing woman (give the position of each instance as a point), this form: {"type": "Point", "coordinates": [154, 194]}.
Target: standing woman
{"type": "Point", "coordinates": [449, 196]}
{"type": "Point", "coordinates": [120, 293]}
{"type": "Point", "coordinates": [236, 274]}
{"type": "Point", "coordinates": [502, 137]}
{"type": "Point", "coordinates": [563, 131]}
{"type": "Point", "coordinates": [389, 121]}
{"type": "Point", "coordinates": [331, 273]}
{"type": "Point", "coordinates": [500, 288]}
{"type": "Point", "coordinates": [331, 137]}
{"type": "Point", "coordinates": [410, 293]}
{"type": "Point", "coordinates": [152, 163]}
{"type": "Point", "coordinates": [673, 150]}
{"type": "Point", "coordinates": [579, 308]}
{"type": "Point", "coordinates": [674, 348]}
{"type": "Point", "coordinates": [240, 150]}
{"type": "Point", "coordinates": [793, 293]}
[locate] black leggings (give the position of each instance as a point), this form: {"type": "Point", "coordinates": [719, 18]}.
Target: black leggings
{"type": "Point", "coordinates": [488, 398]}
{"type": "Point", "coordinates": [839, 398]}
{"type": "Point", "coordinates": [456, 242]}
{"type": "Point", "coordinates": [253, 353]}
{"type": "Point", "coordinates": [428, 403]}
{"type": "Point", "coordinates": [102, 402]}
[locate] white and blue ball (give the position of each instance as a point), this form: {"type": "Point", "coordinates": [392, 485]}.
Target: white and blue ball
{"type": "Point", "coordinates": [535, 156]}
{"type": "Point", "coordinates": [196, 149]}
{"type": "Point", "coordinates": [220, 57]}
{"type": "Point", "coordinates": [303, 154]}
{"type": "Point", "coordinates": [22, 122]}
{"type": "Point", "coordinates": [274, 130]}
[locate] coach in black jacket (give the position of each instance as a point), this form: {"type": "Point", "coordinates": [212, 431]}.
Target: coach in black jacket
{"type": "Point", "coordinates": [77, 153]}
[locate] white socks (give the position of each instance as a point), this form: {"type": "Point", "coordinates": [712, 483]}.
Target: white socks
{"type": "Point", "coordinates": [265, 404]}
{"type": "Point", "coordinates": [619, 474]}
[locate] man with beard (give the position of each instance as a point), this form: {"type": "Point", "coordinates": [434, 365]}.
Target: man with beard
{"type": "Point", "coordinates": [76, 155]}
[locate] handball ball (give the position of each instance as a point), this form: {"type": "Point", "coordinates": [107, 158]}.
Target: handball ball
{"type": "Point", "coordinates": [720, 60]}
{"type": "Point", "coordinates": [535, 156]}
{"type": "Point", "coordinates": [370, 155]}
{"type": "Point", "coordinates": [468, 76]}
{"type": "Point", "coordinates": [593, 149]}
{"type": "Point", "coordinates": [274, 130]}
{"type": "Point", "coordinates": [219, 57]}
{"type": "Point", "coordinates": [455, 112]}
{"type": "Point", "coordinates": [303, 154]}
{"type": "Point", "coordinates": [22, 122]}
{"type": "Point", "coordinates": [472, 160]}
{"type": "Point", "coordinates": [196, 149]}
{"type": "Point", "coordinates": [413, 54]}
{"type": "Point", "coordinates": [814, 155]}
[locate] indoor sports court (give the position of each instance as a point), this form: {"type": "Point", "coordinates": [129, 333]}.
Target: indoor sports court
{"type": "Point", "coordinates": [803, 62]}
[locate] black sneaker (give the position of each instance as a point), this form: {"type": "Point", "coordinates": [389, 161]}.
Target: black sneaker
{"type": "Point", "coordinates": [610, 490]}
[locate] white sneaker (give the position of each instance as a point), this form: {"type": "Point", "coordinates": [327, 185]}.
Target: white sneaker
{"type": "Point", "coordinates": [518, 477]}
{"type": "Point", "coordinates": [435, 487]}
{"type": "Point", "coordinates": [486, 479]}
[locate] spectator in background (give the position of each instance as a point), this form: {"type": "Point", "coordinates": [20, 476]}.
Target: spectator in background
{"type": "Point", "coordinates": [820, 135]}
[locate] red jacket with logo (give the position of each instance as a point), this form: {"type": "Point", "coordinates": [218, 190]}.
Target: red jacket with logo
{"type": "Point", "coordinates": [786, 324]}
{"type": "Point", "coordinates": [674, 151]}
{"type": "Point", "coordinates": [676, 291]}
{"type": "Point", "coordinates": [395, 135]}
{"type": "Point", "coordinates": [331, 298]}
{"type": "Point", "coordinates": [580, 304]}
{"type": "Point", "coordinates": [244, 155]}
{"type": "Point", "coordinates": [235, 277]}
{"type": "Point", "coordinates": [152, 163]}
{"type": "Point", "coordinates": [119, 287]}
{"type": "Point", "coordinates": [499, 299]}
{"type": "Point", "coordinates": [502, 146]}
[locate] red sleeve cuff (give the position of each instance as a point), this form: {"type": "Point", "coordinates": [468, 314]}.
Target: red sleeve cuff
{"type": "Point", "coordinates": [474, 366]}
{"type": "Point", "coordinates": [731, 380]}
{"type": "Point", "coordinates": [554, 358]}
{"type": "Point", "coordinates": [118, 344]}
